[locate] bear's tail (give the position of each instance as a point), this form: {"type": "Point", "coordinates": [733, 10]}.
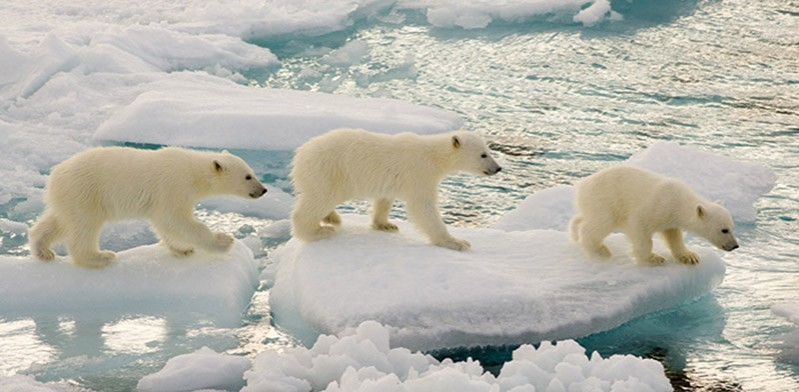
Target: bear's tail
{"type": "Point", "coordinates": [43, 234]}
{"type": "Point", "coordinates": [574, 228]}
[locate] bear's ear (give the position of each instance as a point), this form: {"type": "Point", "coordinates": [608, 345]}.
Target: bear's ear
{"type": "Point", "coordinates": [218, 167]}
{"type": "Point", "coordinates": [456, 142]}
{"type": "Point", "coordinates": [700, 212]}
{"type": "Point", "coordinates": [225, 152]}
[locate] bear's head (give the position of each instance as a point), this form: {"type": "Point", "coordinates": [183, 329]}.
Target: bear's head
{"type": "Point", "coordinates": [234, 177]}
{"type": "Point", "coordinates": [714, 223]}
{"type": "Point", "coordinates": [473, 156]}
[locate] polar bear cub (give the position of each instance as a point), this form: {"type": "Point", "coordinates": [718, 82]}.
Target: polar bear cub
{"type": "Point", "coordinates": [346, 164]}
{"type": "Point", "coordinates": [116, 183]}
{"type": "Point", "coordinates": [641, 203]}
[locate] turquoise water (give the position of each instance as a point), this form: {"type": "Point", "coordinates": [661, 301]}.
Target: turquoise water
{"type": "Point", "coordinates": [558, 101]}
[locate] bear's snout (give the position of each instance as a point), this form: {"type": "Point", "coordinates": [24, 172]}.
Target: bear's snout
{"type": "Point", "coordinates": [730, 246]}
{"type": "Point", "coordinates": [258, 193]}
{"type": "Point", "coordinates": [492, 171]}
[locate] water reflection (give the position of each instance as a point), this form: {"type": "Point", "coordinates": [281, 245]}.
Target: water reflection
{"type": "Point", "coordinates": [21, 346]}
{"type": "Point", "coordinates": [135, 336]}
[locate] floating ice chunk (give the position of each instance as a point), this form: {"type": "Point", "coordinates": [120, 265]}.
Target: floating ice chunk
{"type": "Point", "coordinates": [17, 228]}
{"type": "Point", "coordinates": [275, 204]}
{"type": "Point", "coordinates": [205, 112]}
{"type": "Point", "coordinates": [735, 183]}
{"type": "Point", "coordinates": [790, 344]}
{"type": "Point", "coordinates": [350, 54]}
{"type": "Point", "coordinates": [549, 208]}
{"type": "Point", "coordinates": [141, 281]}
{"type": "Point", "coordinates": [479, 14]}
{"type": "Point", "coordinates": [360, 360]}
{"type": "Point", "coordinates": [597, 12]}
{"type": "Point", "coordinates": [202, 369]}
{"type": "Point", "coordinates": [513, 287]}
{"type": "Point", "coordinates": [790, 311]}
{"type": "Point", "coordinates": [22, 383]}
{"type": "Point", "coordinates": [160, 49]}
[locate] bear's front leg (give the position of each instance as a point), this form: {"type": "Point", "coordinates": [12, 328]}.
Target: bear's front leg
{"type": "Point", "coordinates": [675, 241]}
{"type": "Point", "coordinates": [182, 233]}
{"type": "Point", "coordinates": [380, 210]}
{"type": "Point", "coordinates": [83, 239]}
{"type": "Point", "coordinates": [423, 212]}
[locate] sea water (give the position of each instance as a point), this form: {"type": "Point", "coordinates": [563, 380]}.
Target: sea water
{"type": "Point", "coordinates": [557, 100]}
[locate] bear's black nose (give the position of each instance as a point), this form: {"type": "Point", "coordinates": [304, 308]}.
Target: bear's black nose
{"type": "Point", "coordinates": [258, 194]}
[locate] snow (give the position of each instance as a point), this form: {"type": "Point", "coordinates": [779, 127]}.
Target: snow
{"type": "Point", "coordinates": [737, 184]}
{"type": "Point", "coordinates": [361, 359]}
{"type": "Point", "coordinates": [142, 281]}
{"type": "Point", "coordinates": [203, 369]}
{"type": "Point", "coordinates": [511, 288]}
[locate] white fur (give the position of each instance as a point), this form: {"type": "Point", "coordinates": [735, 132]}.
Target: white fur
{"type": "Point", "coordinates": [640, 203]}
{"type": "Point", "coordinates": [346, 164]}
{"type": "Point", "coordinates": [115, 183]}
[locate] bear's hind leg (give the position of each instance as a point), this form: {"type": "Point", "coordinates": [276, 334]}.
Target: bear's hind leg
{"type": "Point", "coordinates": [591, 235]}
{"type": "Point", "coordinates": [675, 241]}
{"type": "Point", "coordinates": [43, 235]}
{"type": "Point", "coordinates": [380, 210]}
{"type": "Point", "coordinates": [642, 248]}
{"type": "Point", "coordinates": [333, 218]}
{"type": "Point", "coordinates": [83, 243]}
{"type": "Point", "coordinates": [574, 227]}
{"type": "Point", "coordinates": [305, 219]}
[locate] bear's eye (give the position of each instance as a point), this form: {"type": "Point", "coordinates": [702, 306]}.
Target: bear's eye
{"type": "Point", "coordinates": [483, 155]}
{"type": "Point", "coordinates": [248, 178]}
{"type": "Point", "coordinates": [725, 231]}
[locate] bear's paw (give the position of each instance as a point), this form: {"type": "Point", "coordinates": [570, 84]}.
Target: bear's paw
{"type": "Point", "coordinates": [45, 254]}
{"type": "Point", "coordinates": [454, 244]}
{"type": "Point", "coordinates": [655, 259]}
{"type": "Point", "coordinates": [689, 258]}
{"type": "Point", "coordinates": [222, 242]}
{"type": "Point", "coordinates": [385, 226]}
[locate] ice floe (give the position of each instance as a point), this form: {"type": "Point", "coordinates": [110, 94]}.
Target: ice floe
{"type": "Point", "coordinates": [511, 288]}
{"type": "Point", "coordinates": [145, 280]}
{"type": "Point", "coordinates": [225, 114]}
{"type": "Point", "coordinates": [202, 369]}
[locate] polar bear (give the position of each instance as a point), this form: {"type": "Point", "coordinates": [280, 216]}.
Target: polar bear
{"type": "Point", "coordinates": [346, 164]}
{"type": "Point", "coordinates": [641, 203]}
{"type": "Point", "coordinates": [116, 183]}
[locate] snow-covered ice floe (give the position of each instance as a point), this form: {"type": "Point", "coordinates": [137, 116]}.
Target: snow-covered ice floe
{"type": "Point", "coordinates": [361, 359]}
{"type": "Point", "coordinates": [737, 184]}
{"type": "Point", "coordinates": [221, 113]}
{"type": "Point", "coordinates": [511, 288]}
{"type": "Point", "coordinates": [145, 280]}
